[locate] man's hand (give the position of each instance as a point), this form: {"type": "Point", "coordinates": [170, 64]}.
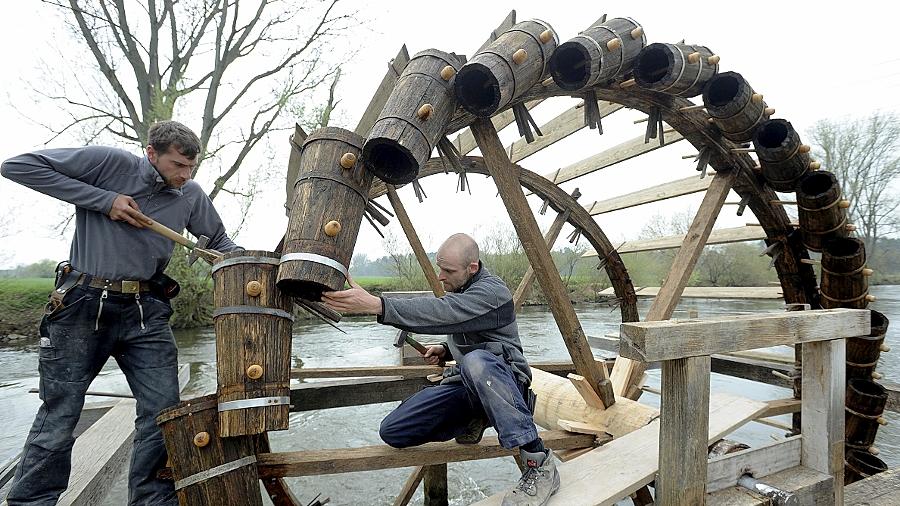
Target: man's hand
{"type": "Point", "coordinates": [354, 300]}
{"type": "Point", "coordinates": [124, 208]}
{"type": "Point", "coordinates": [434, 355]}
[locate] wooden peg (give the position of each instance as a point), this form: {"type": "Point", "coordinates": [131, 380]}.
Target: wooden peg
{"type": "Point", "coordinates": [877, 375]}
{"type": "Point", "coordinates": [201, 439]}
{"type": "Point", "coordinates": [626, 84]}
{"type": "Point", "coordinates": [694, 57]}
{"type": "Point", "coordinates": [868, 272]}
{"type": "Point", "coordinates": [253, 288]}
{"type": "Point", "coordinates": [885, 348]}
{"type": "Point", "coordinates": [332, 228]}
{"type": "Point", "coordinates": [685, 157]}
{"type": "Point", "coordinates": [448, 72]}
{"type": "Point", "coordinates": [757, 98]}
{"type": "Point", "coordinates": [873, 450]}
{"type": "Point", "coordinates": [425, 111]}
{"type": "Point", "coordinates": [850, 227]}
{"type": "Point", "coordinates": [844, 204]}
{"type": "Point", "coordinates": [871, 298]}
{"type": "Point", "coordinates": [546, 36]}
{"type": "Point", "coordinates": [809, 261]}
{"type": "Point", "coordinates": [769, 111]}
{"type": "Point", "coordinates": [641, 120]}
{"type": "Point", "coordinates": [881, 420]}
{"type": "Point", "coordinates": [695, 107]}
{"type": "Point", "coordinates": [255, 371]}
{"type": "Point", "coordinates": [637, 33]}
{"type": "Point", "coordinates": [614, 44]}
{"type": "Point", "coordinates": [519, 56]}
{"type": "Point", "coordinates": [783, 202]}
{"type": "Point", "coordinates": [548, 82]}
{"type": "Point", "coordinates": [711, 121]}
{"type": "Point", "coordinates": [804, 148]}
{"type": "Point", "coordinates": [348, 160]}
{"type": "Point", "coordinates": [713, 60]}
{"type": "Point", "coordinates": [743, 150]}
{"type": "Point", "coordinates": [815, 165]}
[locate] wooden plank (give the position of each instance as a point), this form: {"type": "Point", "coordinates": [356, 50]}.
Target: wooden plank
{"type": "Point", "coordinates": [276, 488]}
{"type": "Point", "coordinates": [723, 472]}
{"type": "Point", "coordinates": [581, 427]}
{"type": "Point", "coordinates": [656, 193]}
{"type": "Point", "coordinates": [881, 489]}
{"type": "Point", "coordinates": [539, 257]}
{"type": "Point", "coordinates": [380, 97]}
{"type": "Point", "coordinates": [504, 25]}
{"type": "Point", "coordinates": [465, 141]}
{"type": "Point", "coordinates": [357, 392]}
{"type": "Point", "coordinates": [653, 341]}
{"type": "Point", "coordinates": [558, 128]}
{"type": "Point", "coordinates": [587, 393]}
{"type": "Point", "coordinates": [550, 237]}
{"type": "Point", "coordinates": [409, 488]}
{"type": "Point", "coordinates": [720, 236]}
{"type": "Point", "coordinates": [293, 169]}
{"type": "Point", "coordinates": [710, 292]}
{"type": "Point", "coordinates": [752, 369]}
{"type": "Point", "coordinates": [822, 412]}
{"type": "Point", "coordinates": [414, 242]}
{"type": "Point", "coordinates": [684, 423]}
{"type": "Point", "coordinates": [627, 373]}
{"type": "Point", "coordinates": [615, 470]}
{"type": "Point", "coordinates": [368, 458]}
{"type": "Point", "coordinates": [559, 368]}
{"type": "Point", "coordinates": [811, 488]}
{"type": "Point", "coordinates": [778, 407]}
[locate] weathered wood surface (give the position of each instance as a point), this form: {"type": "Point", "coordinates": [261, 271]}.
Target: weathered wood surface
{"type": "Point", "coordinates": [293, 169]}
{"type": "Point", "coordinates": [670, 339]}
{"type": "Point", "coordinates": [345, 460]}
{"type": "Point", "coordinates": [812, 488]}
{"type": "Point", "coordinates": [380, 97]}
{"type": "Point", "coordinates": [777, 147]}
{"type": "Point", "coordinates": [607, 474]}
{"type": "Point", "coordinates": [656, 193]}
{"type": "Point", "coordinates": [860, 464]}
{"type": "Point", "coordinates": [728, 98]}
{"type": "Point", "coordinates": [843, 282]}
{"type": "Point", "coordinates": [863, 352]}
{"type": "Point", "coordinates": [410, 486]}
{"type": "Point", "coordinates": [753, 369]}
{"type": "Point", "coordinates": [720, 236]}
{"type": "Point", "coordinates": [435, 485]}
{"type": "Point", "coordinates": [865, 404]}
{"type": "Point", "coordinates": [723, 472]}
{"type": "Point", "coordinates": [276, 488]}
{"type": "Point", "coordinates": [674, 69]}
{"type": "Point", "coordinates": [820, 213]}
{"type": "Point", "coordinates": [559, 368]}
{"type": "Point", "coordinates": [357, 392]}
{"type": "Point", "coordinates": [587, 60]}
{"type": "Point", "coordinates": [558, 128]}
{"type": "Point", "coordinates": [879, 490]}
{"type": "Point", "coordinates": [550, 237]}
{"type": "Point", "coordinates": [710, 292]}
{"type": "Point", "coordinates": [414, 242]}
{"type": "Point", "coordinates": [822, 411]}
{"type": "Point", "coordinates": [893, 401]}
{"type": "Point", "coordinates": [465, 140]}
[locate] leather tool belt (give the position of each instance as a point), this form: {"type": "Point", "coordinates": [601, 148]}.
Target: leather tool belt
{"type": "Point", "coordinates": [118, 285]}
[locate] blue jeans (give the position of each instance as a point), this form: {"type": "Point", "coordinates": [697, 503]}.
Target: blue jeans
{"type": "Point", "coordinates": [441, 412]}
{"type": "Point", "coordinates": [67, 365]}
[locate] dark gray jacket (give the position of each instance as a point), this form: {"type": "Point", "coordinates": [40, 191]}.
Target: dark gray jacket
{"type": "Point", "coordinates": [478, 316]}
{"type": "Point", "coordinates": [90, 178]}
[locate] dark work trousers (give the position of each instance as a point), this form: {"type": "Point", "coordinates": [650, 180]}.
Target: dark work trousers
{"type": "Point", "coordinates": [442, 412]}
{"type": "Point", "coordinates": [69, 362]}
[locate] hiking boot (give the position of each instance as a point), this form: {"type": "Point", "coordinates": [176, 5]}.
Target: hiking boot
{"type": "Point", "coordinates": [474, 431]}
{"type": "Point", "coordinates": [539, 481]}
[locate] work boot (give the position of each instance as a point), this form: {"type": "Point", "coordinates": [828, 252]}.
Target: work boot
{"type": "Point", "coordinates": [539, 481]}
{"type": "Point", "coordinates": [474, 431]}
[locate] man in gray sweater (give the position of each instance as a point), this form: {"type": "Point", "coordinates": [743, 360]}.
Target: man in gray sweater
{"type": "Point", "coordinates": [489, 383]}
{"type": "Point", "coordinates": [106, 301]}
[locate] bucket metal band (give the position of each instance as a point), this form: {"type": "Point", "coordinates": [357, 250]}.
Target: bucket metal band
{"type": "Point", "coordinates": [319, 259]}
{"type": "Point", "coordinates": [215, 471]}
{"type": "Point", "coordinates": [854, 299]}
{"type": "Point", "coordinates": [244, 260]}
{"type": "Point", "coordinates": [854, 364]}
{"type": "Point", "coordinates": [342, 182]}
{"type": "Point", "coordinates": [252, 310]}
{"type": "Point", "coordinates": [256, 402]}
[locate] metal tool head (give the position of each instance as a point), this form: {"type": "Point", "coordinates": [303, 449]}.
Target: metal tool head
{"type": "Point", "coordinates": [401, 338]}
{"type": "Point", "coordinates": [201, 244]}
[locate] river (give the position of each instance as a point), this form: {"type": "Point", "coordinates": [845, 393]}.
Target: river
{"type": "Point", "coordinates": [368, 344]}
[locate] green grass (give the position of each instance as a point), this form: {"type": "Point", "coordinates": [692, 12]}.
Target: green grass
{"type": "Point", "coordinates": [22, 303]}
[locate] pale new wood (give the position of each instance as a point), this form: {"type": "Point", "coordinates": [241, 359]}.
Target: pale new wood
{"type": "Point", "coordinates": [627, 373]}
{"type": "Point", "coordinates": [781, 407]}
{"type": "Point", "coordinates": [409, 488]}
{"type": "Point", "coordinates": [613, 471]}
{"type": "Point", "coordinates": [656, 193]}
{"type": "Point", "coordinates": [414, 242]}
{"type": "Point", "coordinates": [581, 427]}
{"type": "Point", "coordinates": [383, 92]}
{"type": "Point", "coordinates": [558, 128]}
{"type": "Point", "coordinates": [822, 412]}
{"type": "Point", "coordinates": [724, 471]}
{"type": "Point", "coordinates": [881, 489]}
{"type": "Point", "coordinates": [653, 341]}
{"type": "Point", "coordinates": [720, 236]}
{"type": "Point", "coordinates": [587, 393]}
{"type": "Point", "coordinates": [710, 292]}
{"type": "Point", "coordinates": [684, 423]}
{"type": "Point", "coordinates": [812, 488]}
{"type": "Point", "coordinates": [550, 237]}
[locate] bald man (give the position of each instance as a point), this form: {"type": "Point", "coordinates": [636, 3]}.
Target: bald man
{"type": "Point", "coordinates": [489, 384]}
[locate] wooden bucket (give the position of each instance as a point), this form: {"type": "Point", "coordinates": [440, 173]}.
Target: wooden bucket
{"type": "Point", "coordinates": [863, 351]}
{"type": "Point", "coordinates": [859, 465]}
{"type": "Point", "coordinates": [778, 149]}
{"type": "Point", "coordinates": [330, 198]}
{"type": "Point", "coordinates": [253, 323]}
{"type": "Point", "coordinates": [864, 406]}
{"type": "Point", "coordinates": [843, 282]}
{"type": "Point", "coordinates": [676, 69]}
{"type": "Point", "coordinates": [208, 469]}
{"type": "Point", "coordinates": [733, 106]}
{"type": "Point", "coordinates": [414, 117]}
{"type": "Point", "coordinates": [821, 210]}
{"type": "Point", "coordinates": [599, 55]}
{"type": "Point", "coordinates": [506, 68]}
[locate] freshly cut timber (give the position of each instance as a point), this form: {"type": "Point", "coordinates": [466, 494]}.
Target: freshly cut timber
{"type": "Point", "coordinates": [864, 409]}
{"type": "Point", "coordinates": [734, 107]}
{"type": "Point", "coordinates": [330, 197]}
{"type": "Point", "coordinates": [676, 69]}
{"type": "Point", "coordinates": [844, 284]}
{"type": "Point", "coordinates": [599, 55]}
{"type": "Point", "coordinates": [506, 68]}
{"type": "Point", "coordinates": [253, 323]}
{"type": "Point", "coordinates": [822, 211]}
{"type": "Point", "coordinates": [784, 160]}
{"type": "Point", "coordinates": [414, 117]}
{"type": "Point", "coordinates": [208, 469]}
{"type": "Point", "coordinates": [860, 464]}
{"type": "Point", "coordinates": [863, 351]}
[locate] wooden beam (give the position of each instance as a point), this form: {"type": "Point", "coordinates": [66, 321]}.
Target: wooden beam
{"type": "Point", "coordinates": [539, 257]}
{"type": "Point", "coordinates": [550, 237]}
{"type": "Point", "coordinates": [465, 141]}
{"type": "Point", "coordinates": [778, 407]}
{"type": "Point", "coordinates": [656, 193]}
{"type": "Point", "coordinates": [559, 368]}
{"type": "Point", "coordinates": [558, 128]}
{"type": "Point", "coordinates": [684, 424]}
{"type": "Point", "coordinates": [822, 412]}
{"type": "Point", "coordinates": [653, 341]}
{"type": "Point", "coordinates": [720, 236]}
{"type": "Point", "coordinates": [723, 472]}
{"type": "Point", "coordinates": [409, 488]}
{"type": "Point", "coordinates": [752, 369]}
{"type": "Point", "coordinates": [810, 487]}
{"type": "Point", "coordinates": [369, 458]}
{"type": "Point", "coordinates": [414, 242]}
{"type": "Point", "coordinates": [293, 169]}
{"type": "Point", "coordinates": [626, 373]}
{"type": "Point", "coordinates": [881, 489]}
{"type": "Point", "coordinates": [710, 292]}
{"type": "Point", "coordinates": [383, 92]}
{"type": "Point", "coordinates": [587, 393]}
{"type": "Point", "coordinates": [357, 392]}
{"type": "Point", "coordinates": [435, 485]}
{"type": "Point", "coordinates": [276, 488]}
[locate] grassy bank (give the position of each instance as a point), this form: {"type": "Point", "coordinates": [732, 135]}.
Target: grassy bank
{"type": "Point", "coordinates": [21, 304]}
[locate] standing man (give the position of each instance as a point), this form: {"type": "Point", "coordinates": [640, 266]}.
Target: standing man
{"type": "Point", "coordinates": [112, 298]}
{"type": "Point", "coordinates": [489, 384]}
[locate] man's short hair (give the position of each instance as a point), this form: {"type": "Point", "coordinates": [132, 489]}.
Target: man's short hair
{"type": "Point", "coordinates": [165, 134]}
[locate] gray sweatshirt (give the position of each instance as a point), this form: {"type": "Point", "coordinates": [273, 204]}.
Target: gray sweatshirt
{"type": "Point", "coordinates": [478, 316]}
{"type": "Point", "coordinates": [91, 178]}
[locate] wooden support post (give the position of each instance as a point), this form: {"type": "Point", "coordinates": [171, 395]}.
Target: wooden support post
{"type": "Point", "coordinates": [277, 489]}
{"type": "Point", "coordinates": [436, 485]}
{"type": "Point", "coordinates": [506, 177]}
{"type": "Point", "coordinates": [414, 242]}
{"type": "Point", "coordinates": [684, 424]}
{"type": "Point", "coordinates": [822, 411]}
{"type": "Point", "coordinates": [409, 488]}
{"type": "Point", "coordinates": [626, 373]}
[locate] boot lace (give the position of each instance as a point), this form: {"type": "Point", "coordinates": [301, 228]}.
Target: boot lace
{"type": "Point", "coordinates": [528, 480]}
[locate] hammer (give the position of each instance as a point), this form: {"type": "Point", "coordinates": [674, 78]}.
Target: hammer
{"type": "Point", "coordinates": [402, 336]}
{"type": "Point", "coordinates": [198, 249]}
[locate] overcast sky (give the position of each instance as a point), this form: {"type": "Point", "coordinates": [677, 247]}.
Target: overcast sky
{"type": "Point", "coordinates": [812, 61]}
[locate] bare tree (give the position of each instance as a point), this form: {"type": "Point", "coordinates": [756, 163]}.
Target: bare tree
{"type": "Point", "coordinates": [247, 61]}
{"type": "Point", "coordinates": [864, 156]}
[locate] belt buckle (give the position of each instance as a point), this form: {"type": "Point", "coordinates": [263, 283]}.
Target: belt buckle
{"type": "Point", "coordinates": [129, 286]}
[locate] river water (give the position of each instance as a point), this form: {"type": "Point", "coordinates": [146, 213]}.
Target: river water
{"type": "Point", "coordinates": [368, 344]}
